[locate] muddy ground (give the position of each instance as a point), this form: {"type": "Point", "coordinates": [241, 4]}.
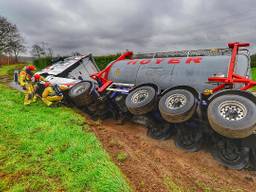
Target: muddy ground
{"type": "Point", "coordinates": [153, 165]}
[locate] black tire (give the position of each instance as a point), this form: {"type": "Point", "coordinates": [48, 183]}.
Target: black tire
{"type": "Point", "coordinates": [159, 131]}
{"type": "Point", "coordinates": [231, 154]}
{"type": "Point", "coordinates": [253, 159]}
{"type": "Point", "coordinates": [80, 94]}
{"type": "Point", "coordinates": [178, 112]}
{"type": "Point", "coordinates": [189, 138]}
{"type": "Point", "coordinates": [232, 116]}
{"type": "Point", "coordinates": [141, 100]}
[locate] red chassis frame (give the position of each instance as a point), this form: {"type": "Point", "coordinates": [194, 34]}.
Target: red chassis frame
{"type": "Point", "coordinates": [231, 78]}
{"type": "Point", "coordinates": [102, 76]}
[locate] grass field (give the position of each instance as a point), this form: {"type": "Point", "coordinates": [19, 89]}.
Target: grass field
{"type": "Point", "coordinates": [9, 69]}
{"type": "Point", "coordinates": [50, 149]}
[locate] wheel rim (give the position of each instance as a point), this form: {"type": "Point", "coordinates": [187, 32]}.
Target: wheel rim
{"type": "Point", "coordinates": [232, 111]}
{"type": "Point", "coordinates": [230, 153]}
{"type": "Point", "coordinates": [176, 101]}
{"type": "Point", "coordinates": [80, 90]}
{"type": "Point", "coordinates": [187, 140]}
{"type": "Point", "coordinates": [139, 96]}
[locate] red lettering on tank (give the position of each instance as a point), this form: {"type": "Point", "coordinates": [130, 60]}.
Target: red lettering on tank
{"type": "Point", "coordinates": [145, 61]}
{"type": "Point", "coordinates": [189, 60]}
{"type": "Point", "coordinates": [174, 61]}
{"type": "Point", "coordinates": [159, 60]}
{"type": "Point", "coordinates": [196, 60]}
{"type": "Point", "coordinates": [133, 62]}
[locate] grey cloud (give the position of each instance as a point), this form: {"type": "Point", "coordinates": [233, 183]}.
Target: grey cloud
{"type": "Point", "coordinates": [112, 26]}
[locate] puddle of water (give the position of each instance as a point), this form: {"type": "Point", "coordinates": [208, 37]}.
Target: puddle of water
{"type": "Point", "coordinates": [15, 86]}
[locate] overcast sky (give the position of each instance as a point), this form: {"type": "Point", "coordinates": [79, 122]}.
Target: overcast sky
{"type": "Point", "coordinates": [109, 26]}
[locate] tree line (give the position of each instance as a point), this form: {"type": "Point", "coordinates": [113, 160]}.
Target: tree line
{"type": "Point", "coordinates": [12, 43]}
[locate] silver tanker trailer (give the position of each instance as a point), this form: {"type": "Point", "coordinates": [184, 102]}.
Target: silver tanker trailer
{"type": "Point", "coordinates": [202, 98]}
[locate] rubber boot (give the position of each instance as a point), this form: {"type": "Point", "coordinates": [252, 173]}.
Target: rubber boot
{"type": "Point", "coordinates": [27, 101]}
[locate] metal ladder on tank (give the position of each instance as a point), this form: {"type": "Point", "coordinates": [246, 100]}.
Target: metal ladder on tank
{"type": "Point", "coordinates": [120, 87]}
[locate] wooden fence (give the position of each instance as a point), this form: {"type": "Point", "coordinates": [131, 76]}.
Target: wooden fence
{"type": "Point", "coordinates": [4, 60]}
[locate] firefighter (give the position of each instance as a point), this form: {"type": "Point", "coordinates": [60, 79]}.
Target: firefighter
{"type": "Point", "coordinates": [25, 81]}
{"type": "Point", "coordinates": [38, 82]}
{"type": "Point", "coordinates": [52, 94]}
{"type": "Point", "coordinates": [38, 78]}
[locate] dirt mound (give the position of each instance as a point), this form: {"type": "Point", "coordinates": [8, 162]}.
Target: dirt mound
{"type": "Point", "coordinates": [153, 165]}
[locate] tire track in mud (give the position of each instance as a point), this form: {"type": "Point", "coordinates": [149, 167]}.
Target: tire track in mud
{"type": "Point", "coordinates": [151, 164]}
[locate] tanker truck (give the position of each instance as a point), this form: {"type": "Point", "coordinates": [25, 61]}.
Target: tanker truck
{"type": "Point", "coordinates": [201, 98]}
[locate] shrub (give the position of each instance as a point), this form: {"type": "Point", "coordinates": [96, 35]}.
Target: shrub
{"type": "Point", "coordinates": [103, 61]}
{"type": "Point", "coordinates": [253, 60]}
{"type": "Point", "coordinates": [42, 62]}
{"type": "Point", "coordinates": [121, 156]}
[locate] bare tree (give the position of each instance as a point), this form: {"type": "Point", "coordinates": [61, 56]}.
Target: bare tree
{"type": "Point", "coordinates": [17, 48]}
{"type": "Point", "coordinates": [7, 30]}
{"type": "Point", "coordinates": [11, 42]}
{"type": "Point", "coordinates": [50, 52]}
{"type": "Point", "coordinates": [42, 50]}
{"type": "Point", "coordinates": [47, 49]}
{"type": "Point", "coordinates": [37, 51]}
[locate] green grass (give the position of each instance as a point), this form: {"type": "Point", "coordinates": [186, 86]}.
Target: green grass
{"type": "Point", "coordinates": [253, 71]}
{"type": "Point", "coordinates": [103, 61]}
{"type": "Point", "coordinates": [121, 156]}
{"type": "Point", "coordinates": [51, 149]}
{"type": "Point", "coordinates": [9, 69]}
{"type": "Point", "coordinates": [172, 186]}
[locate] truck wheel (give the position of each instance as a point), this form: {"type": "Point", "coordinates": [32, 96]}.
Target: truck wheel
{"type": "Point", "coordinates": [232, 116]}
{"type": "Point", "coordinates": [177, 105]}
{"type": "Point", "coordinates": [189, 138]}
{"type": "Point", "coordinates": [253, 158]}
{"type": "Point", "coordinates": [141, 100]}
{"type": "Point", "coordinates": [159, 131]}
{"type": "Point", "coordinates": [231, 154]}
{"type": "Point", "coordinates": [80, 94]}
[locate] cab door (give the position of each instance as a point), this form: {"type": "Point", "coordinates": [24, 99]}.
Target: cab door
{"type": "Point", "coordinates": [83, 69]}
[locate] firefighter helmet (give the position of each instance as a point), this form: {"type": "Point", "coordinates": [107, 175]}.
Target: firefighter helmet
{"type": "Point", "coordinates": [31, 68]}
{"type": "Point", "coordinates": [37, 77]}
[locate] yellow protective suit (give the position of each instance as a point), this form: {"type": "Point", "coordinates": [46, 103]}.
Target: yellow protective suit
{"type": "Point", "coordinates": [29, 91]}
{"type": "Point", "coordinates": [50, 97]}
{"type": "Point", "coordinates": [41, 80]}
